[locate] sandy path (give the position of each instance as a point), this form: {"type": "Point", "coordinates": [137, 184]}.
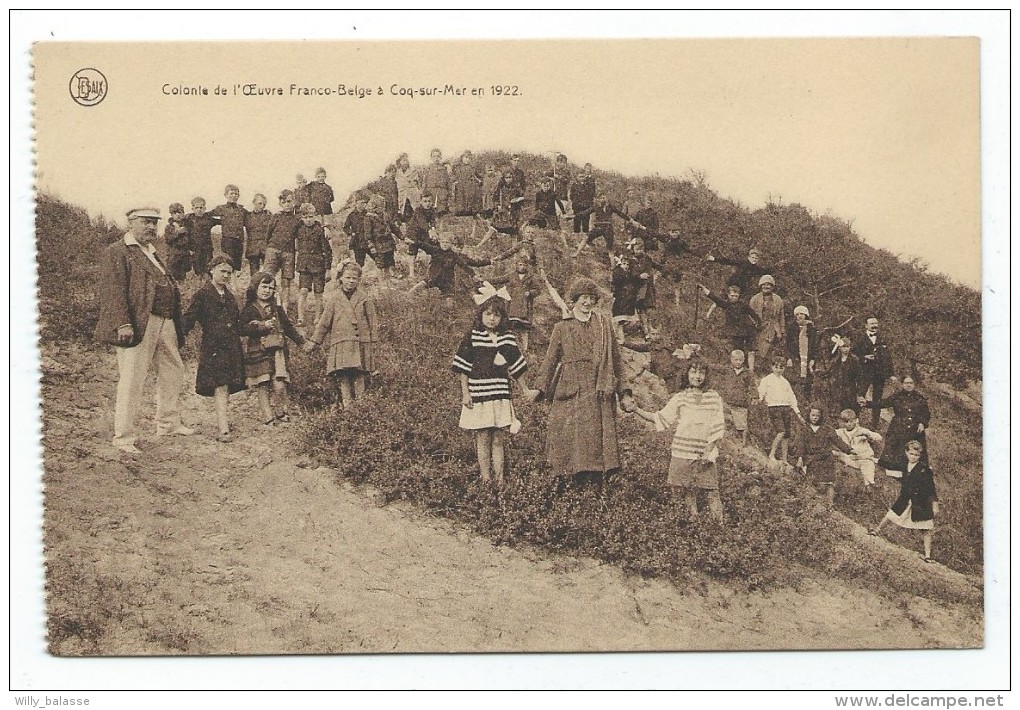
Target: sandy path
{"type": "Point", "coordinates": [199, 547]}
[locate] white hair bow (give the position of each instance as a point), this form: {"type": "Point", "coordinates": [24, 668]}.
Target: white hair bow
{"type": "Point", "coordinates": [837, 343]}
{"type": "Point", "coordinates": [487, 291]}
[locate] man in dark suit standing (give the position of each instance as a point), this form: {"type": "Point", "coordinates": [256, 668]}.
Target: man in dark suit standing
{"type": "Point", "coordinates": [876, 360]}
{"type": "Point", "coordinates": [140, 314]}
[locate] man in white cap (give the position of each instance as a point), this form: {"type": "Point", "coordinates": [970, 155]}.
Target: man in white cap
{"type": "Point", "coordinates": [772, 330]}
{"type": "Point", "coordinates": [140, 314]}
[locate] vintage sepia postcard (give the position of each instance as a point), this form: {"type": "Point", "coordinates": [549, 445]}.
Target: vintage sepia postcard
{"type": "Point", "coordinates": [367, 347]}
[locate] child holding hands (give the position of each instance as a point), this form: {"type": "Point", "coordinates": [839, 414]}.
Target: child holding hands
{"type": "Point", "coordinates": [266, 358]}
{"type": "Point", "coordinates": [487, 359]}
{"type": "Point", "coordinates": [697, 414]}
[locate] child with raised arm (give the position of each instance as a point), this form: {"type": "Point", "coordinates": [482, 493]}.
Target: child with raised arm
{"type": "Point", "coordinates": [741, 322]}
{"type": "Point", "coordinates": [486, 360]}
{"type": "Point", "coordinates": [266, 361]}
{"type": "Point", "coordinates": [777, 394]}
{"type": "Point", "coordinates": [917, 504]}
{"type": "Point", "coordinates": [697, 414]}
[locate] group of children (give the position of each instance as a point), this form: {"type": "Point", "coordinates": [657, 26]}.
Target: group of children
{"type": "Point", "coordinates": [247, 347]}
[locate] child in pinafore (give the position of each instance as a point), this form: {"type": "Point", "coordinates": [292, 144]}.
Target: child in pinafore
{"type": "Point", "coordinates": [917, 504]}
{"type": "Point", "coordinates": [697, 414]}
{"type": "Point", "coordinates": [486, 360]}
{"type": "Point", "coordinates": [221, 360]}
{"type": "Point", "coordinates": [348, 326]}
{"type": "Point", "coordinates": [266, 362]}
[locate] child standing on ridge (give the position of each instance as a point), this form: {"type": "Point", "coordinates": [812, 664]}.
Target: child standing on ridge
{"type": "Point", "coordinates": [199, 225]}
{"type": "Point", "coordinates": [697, 414]}
{"type": "Point", "coordinates": [232, 219]}
{"type": "Point", "coordinates": [314, 258]}
{"type": "Point", "coordinates": [775, 391]}
{"type": "Point", "coordinates": [266, 363]}
{"type": "Point", "coordinates": [487, 359]}
{"type": "Point", "coordinates": [281, 245]}
{"type": "Point", "coordinates": [177, 243]}
{"type": "Point", "coordinates": [256, 225]}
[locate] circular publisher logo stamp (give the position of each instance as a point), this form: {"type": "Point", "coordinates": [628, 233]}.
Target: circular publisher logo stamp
{"type": "Point", "coordinates": [88, 87]}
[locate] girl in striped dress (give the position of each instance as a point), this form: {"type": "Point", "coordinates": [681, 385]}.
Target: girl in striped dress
{"type": "Point", "coordinates": [488, 357]}
{"type": "Point", "coordinates": [697, 414]}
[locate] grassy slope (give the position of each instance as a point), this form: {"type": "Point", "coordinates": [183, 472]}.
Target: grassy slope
{"type": "Point", "coordinates": [410, 446]}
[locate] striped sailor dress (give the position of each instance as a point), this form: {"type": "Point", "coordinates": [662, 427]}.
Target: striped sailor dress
{"type": "Point", "coordinates": [699, 421]}
{"type": "Point", "coordinates": [489, 360]}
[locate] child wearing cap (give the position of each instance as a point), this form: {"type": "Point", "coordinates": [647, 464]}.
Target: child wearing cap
{"type": "Point", "coordinates": [770, 309]}
{"type": "Point", "coordinates": [314, 257]}
{"type": "Point", "coordinates": [199, 225]}
{"type": "Point", "coordinates": [281, 245]}
{"type": "Point", "coordinates": [232, 219]}
{"type": "Point", "coordinates": [744, 270]}
{"type": "Point", "coordinates": [177, 243]}
{"type": "Point", "coordinates": [523, 286]}
{"type": "Point", "coordinates": [256, 226]}
{"type": "Point", "coordinates": [802, 351]}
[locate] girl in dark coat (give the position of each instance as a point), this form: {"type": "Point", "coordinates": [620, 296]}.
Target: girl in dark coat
{"type": "Point", "coordinates": [910, 420]}
{"type": "Point", "coordinates": [266, 358]}
{"type": "Point", "coordinates": [917, 504]}
{"type": "Point", "coordinates": [221, 361]}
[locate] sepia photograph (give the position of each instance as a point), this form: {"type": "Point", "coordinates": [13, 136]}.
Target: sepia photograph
{"type": "Point", "coordinates": [510, 346]}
